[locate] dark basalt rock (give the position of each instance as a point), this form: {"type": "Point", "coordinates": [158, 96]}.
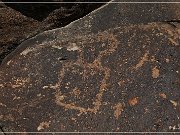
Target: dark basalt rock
{"type": "Point", "coordinates": [40, 11]}
{"type": "Point", "coordinates": [23, 21]}
{"type": "Point", "coordinates": [14, 28]}
{"type": "Point", "coordinates": [115, 77]}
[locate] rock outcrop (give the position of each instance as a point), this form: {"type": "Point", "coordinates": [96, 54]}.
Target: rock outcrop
{"type": "Point", "coordinates": [14, 28]}
{"type": "Point", "coordinates": [20, 21]}
{"type": "Point", "coordinates": [114, 70]}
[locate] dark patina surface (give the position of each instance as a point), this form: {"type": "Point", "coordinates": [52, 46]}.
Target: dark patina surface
{"type": "Point", "coordinates": [20, 21]}
{"type": "Point", "coordinates": [88, 78]}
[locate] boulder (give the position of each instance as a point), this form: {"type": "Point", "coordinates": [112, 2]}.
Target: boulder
{"type": "Point", "coordinates": [97, 74]}
{"type": "Point", "coordinates": [14, 28]}
{"type": "Point", "coordinates": [20, 21]}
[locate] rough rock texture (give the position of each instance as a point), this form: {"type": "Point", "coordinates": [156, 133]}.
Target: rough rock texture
{"type": "Point", "coordinates": [19, 22]}
{"type": "Point", "coordinates": [40, 11]}
{"type": "Point", "coordinates": [14, 27]}
{"type": "Point", "coordinates": [55, 14]}
{"type": "Point", "coordinates": [120, 76]}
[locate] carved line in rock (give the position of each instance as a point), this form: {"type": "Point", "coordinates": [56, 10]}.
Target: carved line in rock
{"type": "Point", "coordinates": [96, 65]}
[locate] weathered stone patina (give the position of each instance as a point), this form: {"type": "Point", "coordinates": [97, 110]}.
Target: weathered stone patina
{"type": "Point", "coordinates": [106, 79]}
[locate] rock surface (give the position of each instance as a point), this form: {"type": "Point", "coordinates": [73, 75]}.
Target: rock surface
{"type": "Point", "coordinates": [21, 21]}
{"type": "Point", "coordinates": [14, 28]}
{"type": "Point", "coordinates": [98, 74]}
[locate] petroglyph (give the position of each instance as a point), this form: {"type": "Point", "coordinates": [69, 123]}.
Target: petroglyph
{"type": "Point", "coordinates": [155, 72]}
{"type": "Point", "coordinates": [104, 77]}
{"type": "Point", "coordinates": [174, 33]}
{"type": "Point", "coordinates": [142, 61]}
{"type": "Point", "coordinates": [95, 66]}
{"type": "Point", "coordinates": [118, 108]}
